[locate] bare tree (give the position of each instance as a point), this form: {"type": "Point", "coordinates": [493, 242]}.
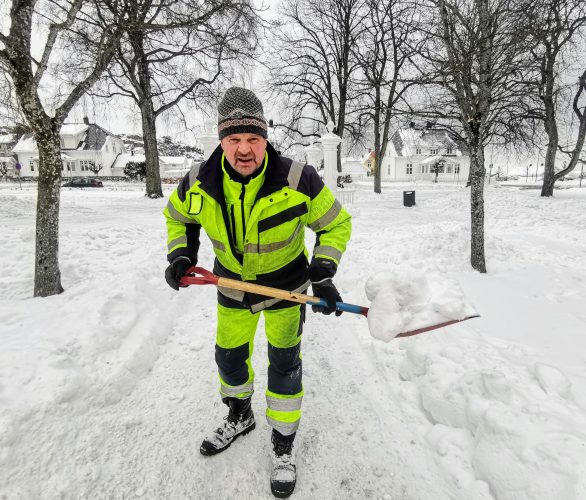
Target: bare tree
{"type": "Point", "coordinates": [388, 45]}
{"type": "Point", "coordinates": [4, 170]}
{"type": "Point", "coordinates": [556, 27]}
{"type": "Point", "coordinates": [95, 168]}
{"type": "Point", "coordinates": [437, 168]}
{"type": "Point", "coordinates": [178, 51]}
{"type": "Point", "coordinates": [68, 24]}
{"type": "Point", "coordinates": [478, 53]}
{"type": "Point", "coordinates": [312, 65]}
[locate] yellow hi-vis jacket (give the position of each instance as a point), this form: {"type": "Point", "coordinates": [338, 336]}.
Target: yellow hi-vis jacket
{"type": "Point", "coordinates": [262, 240]}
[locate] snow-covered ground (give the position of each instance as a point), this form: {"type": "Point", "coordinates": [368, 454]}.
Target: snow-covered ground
{"type": "Point", "coordinates": [107, 389]}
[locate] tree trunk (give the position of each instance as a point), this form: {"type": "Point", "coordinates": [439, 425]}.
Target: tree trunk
{"type": "Point", "coordinates": [549, 165]}
{"type": "Point", "coordinates": [477, 172]}
{"type": "Point", "coordinates": [377, 144]}
{"type": "Point", "coordinates": [551, 129]}
{"type": "Point", "coordinates": [149, 129]}
{"type": "Point", "coordinates": [151, 150]}
{"type": "Point", "coordinates": [47, 274]}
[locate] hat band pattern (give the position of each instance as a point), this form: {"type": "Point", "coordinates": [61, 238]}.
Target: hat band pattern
{"type": "Point", "coordinates": [242, 122]}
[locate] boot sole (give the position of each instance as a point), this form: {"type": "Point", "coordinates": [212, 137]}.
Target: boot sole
{"type": "Point", "coordinates": [210, 453]}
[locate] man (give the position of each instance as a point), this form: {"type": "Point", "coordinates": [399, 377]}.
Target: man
{"type": "Point", "coordinates": [254, 206]}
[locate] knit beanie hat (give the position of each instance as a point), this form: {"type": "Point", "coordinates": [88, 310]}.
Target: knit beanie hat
{"type": "Point", "coordinates": [240, 112]}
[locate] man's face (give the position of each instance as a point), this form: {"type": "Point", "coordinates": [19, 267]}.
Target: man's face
{"type": "Point", "coordinates": [245, 152]}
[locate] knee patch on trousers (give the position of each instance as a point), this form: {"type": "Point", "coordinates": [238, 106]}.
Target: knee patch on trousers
{"type": "Point", "coordinates": [232, 364]}
{"type": "Point", "coordinates": [285, 370]}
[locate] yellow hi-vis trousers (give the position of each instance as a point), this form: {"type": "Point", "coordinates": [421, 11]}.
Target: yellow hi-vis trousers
{"type": "Point", "coordinates": [234, 345]}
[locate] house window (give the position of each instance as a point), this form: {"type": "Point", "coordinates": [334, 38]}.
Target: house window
{"type": "Point", "coordinates": [62, 142]}
{"type": "Point", "coordinates": [389, 170]}
{"type": "Point", "coordinates": [71, 166]}
{"type": "Point", "coordinates": [433, 151]}
{"type": "Point", "coordinates": [84, 165]}
{"type": "Point", "coordinates": [31, 164]}
{"type": "Point", "coordinates": [457, 168]}
{"type": "Point", "coordinates": [449, 151]}
{"type": "Point", "coordinates": [423, 169]}
{"type": "Point", "coordinates": [418, 151]}
{"type": "Point", "coordinates": [448, 169]}
{"type": "Point", "coordinates": [409, 169]}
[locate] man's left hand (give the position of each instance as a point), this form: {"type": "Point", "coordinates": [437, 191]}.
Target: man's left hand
{"type": "Point", "coordinates": [325, 289]}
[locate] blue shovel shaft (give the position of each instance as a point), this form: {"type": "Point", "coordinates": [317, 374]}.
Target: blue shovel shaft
{"type": "Point", "coordinates": [342, 306]}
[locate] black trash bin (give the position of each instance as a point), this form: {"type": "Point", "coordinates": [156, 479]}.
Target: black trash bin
{"type": "Point", "coordinates": [408, 198]}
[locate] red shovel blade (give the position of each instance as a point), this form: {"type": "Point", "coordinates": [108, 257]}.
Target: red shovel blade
{"type": "Point", "coordinates": [435, 327]}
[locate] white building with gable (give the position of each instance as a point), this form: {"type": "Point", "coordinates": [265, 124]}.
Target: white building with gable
{"type": "Point", "coordinates": [82, 144]}
{"type": "Point", "coordinates": [7, 158]}
{"type": "Point", "coordinates": [412, 152]}
{"type": "Point", "coordinates": [170, 167]}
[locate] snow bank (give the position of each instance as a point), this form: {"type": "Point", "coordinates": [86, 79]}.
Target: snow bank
{"type": "Point", "coordinates": [501, 428]}
{"type": "Point", "coordinates": [93, 343]}
{"type": "Point", "coordinates": [404, 301]}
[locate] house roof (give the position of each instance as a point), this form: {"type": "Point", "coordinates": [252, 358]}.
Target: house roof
{"type": "Point", "coordinates": [173, 160]}
{"type": "Point", "coordinates": [8, 138]}
{"type": "Point", "coordinates": [407, 141]}
{"type": "Point", "coordinates": [93, 139]}
{"type": "Point", "coordinates": [124, 158]}
{"type": "Point", "coordinates": [25, 143]}
{"type": "Point", "coordinates": [73, 128]}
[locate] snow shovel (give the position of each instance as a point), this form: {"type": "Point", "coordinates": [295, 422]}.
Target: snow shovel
{"type": "Point", "coordinates": [201, 276]}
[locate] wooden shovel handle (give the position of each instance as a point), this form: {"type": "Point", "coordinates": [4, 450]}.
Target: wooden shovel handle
{"type": "Point", "coordinates": [201, 276]}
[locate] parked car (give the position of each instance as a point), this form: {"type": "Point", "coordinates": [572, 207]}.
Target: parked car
{"type": "Point", "coordinates": [84, 183]}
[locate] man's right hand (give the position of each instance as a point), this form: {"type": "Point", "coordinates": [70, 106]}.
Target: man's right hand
{"type": "Point", "coordinates": [176, 270]}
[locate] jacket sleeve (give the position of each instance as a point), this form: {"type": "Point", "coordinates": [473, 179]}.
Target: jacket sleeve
{"type": "Point", "coordinates": [331, 223]}
{"type": "Point", "coordinates": [183, 228]}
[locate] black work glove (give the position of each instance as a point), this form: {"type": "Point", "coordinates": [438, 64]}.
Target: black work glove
{"type": "Point", "coordinates": [176, 270]}
{"type": "Point", "coordinates": [326, 290]}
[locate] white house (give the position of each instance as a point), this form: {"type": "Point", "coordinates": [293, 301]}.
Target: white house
{"type": "Point", "coordinates": [7, 158]}
{"type": "Point", "coordinates": [82, 145]}
{"type": "Point", "coordinates": [169, 166]}
{"type": "Point", "coordinates": [174, 166]}
{"type": "Point", "coordinates": [412, 152]}
{"type": "Point", "coordinates": [354, 167]}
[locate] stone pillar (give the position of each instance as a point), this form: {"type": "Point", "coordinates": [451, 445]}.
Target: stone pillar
{"type": "Point", "coordinates": [313, 155]}
{"type": "Point", "coordinates": [330, 142]}
{"type": "Point", "coordinates": [209, 139]}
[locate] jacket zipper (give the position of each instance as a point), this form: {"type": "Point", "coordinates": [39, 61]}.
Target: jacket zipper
{"type": "Point", "coordinates": [242, 210]}
{"type": "Point", "coordinates": [233, 224]}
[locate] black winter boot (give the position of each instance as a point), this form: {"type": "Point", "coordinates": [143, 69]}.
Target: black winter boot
{"type": "Point", "coordinates": [284, 473]}
{"type": "Point", "coordinates": [238, 422]}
